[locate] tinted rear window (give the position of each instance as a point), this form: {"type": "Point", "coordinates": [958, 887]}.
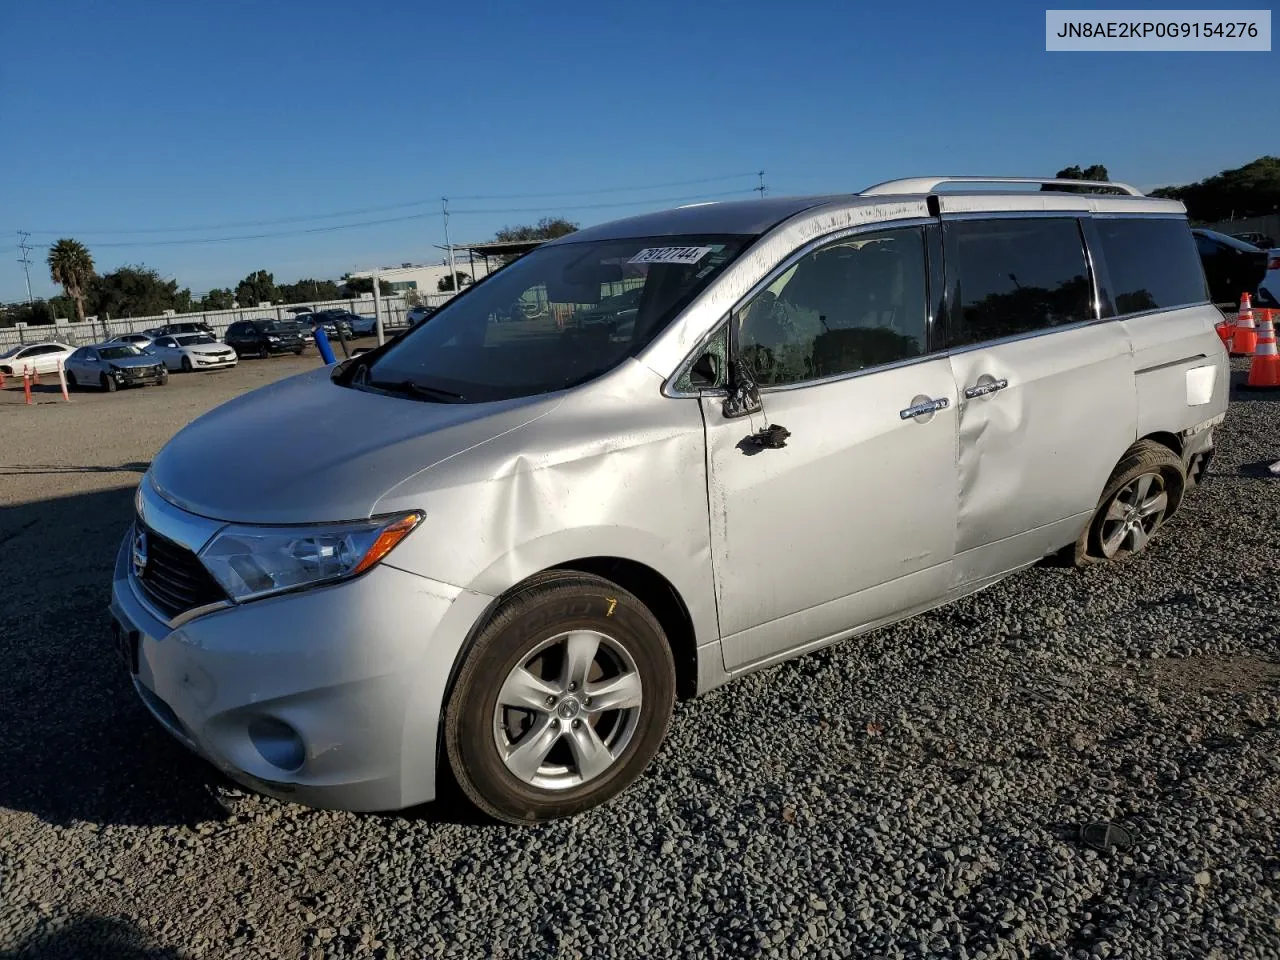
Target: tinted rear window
{"type": "Point", "coordinates": [1152, 264]}
{"type": "Point", "coordinates": [1016, 276]}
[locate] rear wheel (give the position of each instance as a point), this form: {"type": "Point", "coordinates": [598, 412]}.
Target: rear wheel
{"type": "Point", "coordinates": [108, 383]}
{"type": "Point", "coordinates": [1144, 491]}
{"type": "Point", "coordinates": [561, 702]}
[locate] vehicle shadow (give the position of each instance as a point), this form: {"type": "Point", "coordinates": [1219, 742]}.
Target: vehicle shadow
{"type": "Point", "coordinates": [40, 469]}
{"type": "Point", "coordinates": [87, 936]}
{"type": "Point", "coordinates": [75, 743]}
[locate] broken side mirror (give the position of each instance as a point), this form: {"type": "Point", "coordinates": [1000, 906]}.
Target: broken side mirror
{"type": "Point", "coordinates": [705, 372]}
{"type": "Point", "coordinates": [744, 394]}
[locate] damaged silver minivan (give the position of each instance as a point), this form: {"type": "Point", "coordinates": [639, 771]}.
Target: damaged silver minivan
{"type": "Point", "coordinates": [649, 457]}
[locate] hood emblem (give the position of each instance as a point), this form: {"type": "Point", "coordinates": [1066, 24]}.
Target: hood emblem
{"type": "Point", "coordinates": [139, 553]}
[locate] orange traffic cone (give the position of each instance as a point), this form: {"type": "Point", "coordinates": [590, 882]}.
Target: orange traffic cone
{"type": "Point", "coordinates": [1244, 336]}
{"type": "Point", "coordinates": [1265, 371]}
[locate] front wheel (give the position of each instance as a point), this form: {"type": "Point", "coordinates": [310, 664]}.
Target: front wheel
{"type": "Point", "coordinates": [1145, 489]}
{"type": "Point", "coordinates": [298, 352]}
{"type": "Point", "coordinates": [109, 384]}
{"type": "Point", "coordinates": [263, 352]}
{"type": "Point", "coordinates": [164, 377]}
{"type": "Point", "coordinates": [71, 380]}
{"type": "Point", "coordinates": [186, 364]}
{"type": "Point", "coordinates": [561, 702]}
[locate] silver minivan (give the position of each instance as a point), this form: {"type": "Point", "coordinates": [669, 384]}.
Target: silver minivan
{"type": "Point", "coordinates": [652, 456]}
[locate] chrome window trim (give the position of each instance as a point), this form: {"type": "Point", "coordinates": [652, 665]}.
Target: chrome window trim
{"type": "Point", "coordinates": [1137, 215]}
{"type": "Point", "coordinates": [1015, 215]}
{"type": "Point", "coordinates": [799, 253]}
{"type": "Point", "coordinates": [1030, 335]}
{"type": "Point", "coordinates": [1155, 310]}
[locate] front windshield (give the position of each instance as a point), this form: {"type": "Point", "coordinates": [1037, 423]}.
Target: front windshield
{"type": "Point", "coordinates": [557, 317]}
{"type": "Point", "coordinates": [118, 351]}
{"type": "Point", "coordinates": [194, 338]}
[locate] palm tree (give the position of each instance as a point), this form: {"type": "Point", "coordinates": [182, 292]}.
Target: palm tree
{"type": "Point", "coordinates": [71, 266]}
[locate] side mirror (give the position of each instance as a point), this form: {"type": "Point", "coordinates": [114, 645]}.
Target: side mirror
{"type": "Point", "coordinates": [705, 371]}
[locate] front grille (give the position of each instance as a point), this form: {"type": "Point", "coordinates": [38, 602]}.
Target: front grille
{"type": "Point", "coordinates": [175, 579]}
{"type": "Point", "coordinates": [137, 373]}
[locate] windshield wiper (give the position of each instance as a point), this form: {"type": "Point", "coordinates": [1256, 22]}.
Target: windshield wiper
{"type": "Point", "coordinates": [418, 390]}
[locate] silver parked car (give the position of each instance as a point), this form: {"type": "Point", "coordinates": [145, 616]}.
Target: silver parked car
{"type": "Point", "coordinates": [528, 532]}
{"type": "Point", "coordinates": [114, 365]}
{"type": "Point", "coordinates": [191, 351]}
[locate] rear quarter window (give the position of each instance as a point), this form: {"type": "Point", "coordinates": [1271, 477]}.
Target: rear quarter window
{"type": "Point", "coordinates": [1152, 264]}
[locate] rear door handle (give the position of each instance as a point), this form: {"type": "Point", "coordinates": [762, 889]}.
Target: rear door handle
{"type": "Point", "coordinates": [984, 389]}
{"type": "Point", "coordinates": [924, 407]}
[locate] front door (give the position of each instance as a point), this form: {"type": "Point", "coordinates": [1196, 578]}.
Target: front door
{"type": "Point", "coordinates": [1046, 393]}
{"type": "Point", "coordinates": [853, 520]}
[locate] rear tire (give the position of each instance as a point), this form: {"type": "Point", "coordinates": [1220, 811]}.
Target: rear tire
{"type": "Point", "coordinates": [1144, 491]}
{"type": "Point", "coordinates": [561, 702]}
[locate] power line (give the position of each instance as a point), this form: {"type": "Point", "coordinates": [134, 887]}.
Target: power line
{"type": "Point", "coordinates": [188, 241]}
{"type": "Point", "coordinates": [360, 211]}
{"type": "Point", "coordinates": [25, 246]}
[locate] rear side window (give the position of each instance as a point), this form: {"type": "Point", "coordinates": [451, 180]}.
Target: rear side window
{"type": "Point", "coordinates": [1151, 264]}
{"type": "Point", "coordinates": [1016, 277]}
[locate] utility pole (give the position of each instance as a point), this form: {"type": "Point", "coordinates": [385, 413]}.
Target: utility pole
{"type": "Point", "coordinates": [377, 309]}
{"type": "Point", "coordinates": [25, 246]}
{"type": "Point", "coordinates": [761, 188]}
{"type": "Point", "coordinates": [453, 273]}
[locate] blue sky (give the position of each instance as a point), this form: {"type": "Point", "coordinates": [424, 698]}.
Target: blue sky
{"type": "Point", "coordinates": [136, 116]}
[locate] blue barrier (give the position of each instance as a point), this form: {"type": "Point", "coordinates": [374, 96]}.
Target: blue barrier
{"type": "Point", "coordinates": [322, 344]}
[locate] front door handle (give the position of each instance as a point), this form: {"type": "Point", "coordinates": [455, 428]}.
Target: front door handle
{"type": "Point", "coordinates": [924, 407]}
{"type": "Point", "coordinates": [984, 388]}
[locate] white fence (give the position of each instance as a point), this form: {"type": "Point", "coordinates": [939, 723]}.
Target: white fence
{"type": "Point", "coordinates": [98, 329]}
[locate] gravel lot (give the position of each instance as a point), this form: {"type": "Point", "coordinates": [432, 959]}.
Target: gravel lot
{"type": "Point", "coordinates": [916, 792]}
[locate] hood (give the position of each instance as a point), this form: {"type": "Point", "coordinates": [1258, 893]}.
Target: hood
{"type": "Point", "coordinates": [206, 348]}
{"type": "Point", "coordinates": [305, 450]}
{"type": "Point", "coordinates": [133, 362]}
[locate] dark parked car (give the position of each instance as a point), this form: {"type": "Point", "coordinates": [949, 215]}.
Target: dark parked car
{"type": "Point", "coordinates": [1259, 240]}
{"type": "Point", "coordinates": [261, 338]}
{"type": "Point", "coordinates": [331, 320]}
{"type": "Point", "coordinates": [1231, 266]}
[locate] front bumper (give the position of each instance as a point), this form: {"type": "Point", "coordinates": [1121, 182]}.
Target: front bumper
{"type": "Point", "coordinates": [213, 363]}
{"type": "Point", "coordinates": [355, 674]}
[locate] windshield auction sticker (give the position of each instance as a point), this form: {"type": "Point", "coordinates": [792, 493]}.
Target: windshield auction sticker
{"type": "Point", "coordinates": [1226, 31]}
{"type": "Point", "coordinates": [670, 255]}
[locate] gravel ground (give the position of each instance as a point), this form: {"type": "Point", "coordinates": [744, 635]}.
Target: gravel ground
{"type": "Point", "coordinates": [917, 792]}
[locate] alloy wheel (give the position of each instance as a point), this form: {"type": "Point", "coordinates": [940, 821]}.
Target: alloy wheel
{"type": "Point", "coordinates": [1134, 514]}
{"type": "Point", "coordinates": [568, 710]}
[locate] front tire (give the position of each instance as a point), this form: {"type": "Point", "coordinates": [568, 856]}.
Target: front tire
{"type": "Point", "coordinates": [71, 381]}
{"type": "Point", "coordinates": [1144, 491]}
{"type": "Point", "coordinates": [186, 364]}
{"type": "Point", "coordinates": [109, 384]}
{"type": "Point", "coordinates": [561, 702]}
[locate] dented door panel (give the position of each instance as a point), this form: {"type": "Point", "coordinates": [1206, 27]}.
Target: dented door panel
{"type": "Point", "coordinates": [808, 539]}
{"type": "Point", "coordinates": [1036, 454]}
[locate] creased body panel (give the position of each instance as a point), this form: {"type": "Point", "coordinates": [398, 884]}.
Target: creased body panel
{"type": "Point", "coordinates": [1040, 450]}
{"type": "Point", "coordinates": [1181, 368]}
{"type": "Point", "coordinates": [617, 471]}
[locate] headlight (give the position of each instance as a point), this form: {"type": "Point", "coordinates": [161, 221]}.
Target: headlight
{"type": "Point", "coordinates": [273, 339]}
{"type": "Point", "coordinates": [251, 562]}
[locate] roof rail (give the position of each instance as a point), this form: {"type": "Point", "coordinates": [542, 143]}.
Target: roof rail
{"type": "Point", "coordinates": [929, 184]}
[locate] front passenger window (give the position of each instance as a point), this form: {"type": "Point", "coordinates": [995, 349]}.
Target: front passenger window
{"type": "Point", "coordinates": [857, 303]}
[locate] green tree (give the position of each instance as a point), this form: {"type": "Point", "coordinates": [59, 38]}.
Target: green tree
{"type": "Point", "coordinates": [307, 291]}
{"type": "Point", "coordinates": [29, 313]}
{"type": "Point", "coordinates": [1249, 191]}
{"type": "Point", "coordinates": [1095, 172]}
{"type": "Point", "coordinates": [258, 287]}
{"type": "Point", "coordinates": [71, 267]}
{"type": "Point", "coordinates": [354, 286]}
{"type": "Point", "coordinates": [136, 291]}
{"type": "Point", "coordinates": [445, 283]}
{"type": "Point", "coordinates": [217, 299]}
{"type": "Point", "coordinates": [548, 228]}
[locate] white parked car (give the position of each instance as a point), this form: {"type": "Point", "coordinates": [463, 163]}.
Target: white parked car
{"type": "Point", "coordinates": [192, 351]}
{"type": "Point", "coordinates": [38, 357]}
